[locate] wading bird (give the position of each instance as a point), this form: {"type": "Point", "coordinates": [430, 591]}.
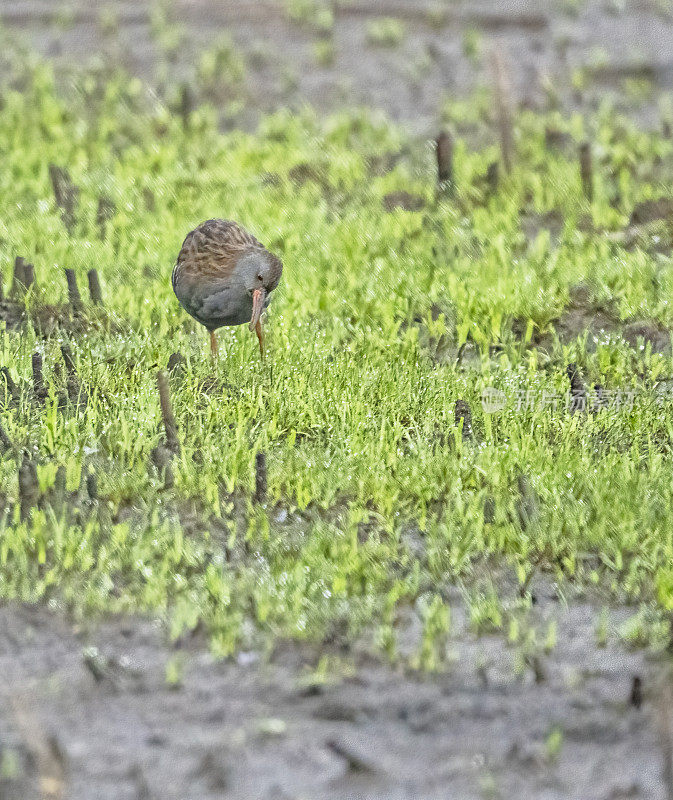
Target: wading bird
{"type": "Point", "coordinates": [224, 276]}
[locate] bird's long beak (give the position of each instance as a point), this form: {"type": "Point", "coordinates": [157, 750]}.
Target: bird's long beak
{"type": "Point", "coordinates": [258, 298]}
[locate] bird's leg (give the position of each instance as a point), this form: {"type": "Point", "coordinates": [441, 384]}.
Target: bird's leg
{"type": "Point", "coordinates": [213, 345]}
{"type": "Point", "coordinates": [260, 337]}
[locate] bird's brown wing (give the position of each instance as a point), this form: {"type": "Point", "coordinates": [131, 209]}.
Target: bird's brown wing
{"type": "Point", "coordinates": [211, 250]}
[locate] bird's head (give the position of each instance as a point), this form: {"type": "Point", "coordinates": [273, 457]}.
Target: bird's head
{"type": "Point", "coordinates": [260, 272]}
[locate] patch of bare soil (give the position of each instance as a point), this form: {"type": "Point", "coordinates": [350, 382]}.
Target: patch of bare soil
{"type": "Point", "coordinates": [48, 319]}
{"type": "Point", "coordinates": [577, 320]}
{"type": "Point", "coordinates": [404, 200]}
{"type": "Point", "coordinates": [650, 227]}
{"type": "Point", "coordinates": [89, 713]}
{"type": "Point", "coordinates": [652, 210]}
{"type": "Point", "coordinates": [552, 221]}
{"type": "Point", "coordinates": [582, 316]}
{"type": "Point", "coordinates": [543, 43]}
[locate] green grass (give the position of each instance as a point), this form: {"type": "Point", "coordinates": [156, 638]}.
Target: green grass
{"type": "Point", "coordinates": [220, 73]}
{"type": "Point", "coordinates": [324, 52]}
{"type": "Point", "coordinates": [383, 320]}
{"type": "Point", "coordinates": [385, 32]}
{"type": "Point", "coordinates": [315, 14]}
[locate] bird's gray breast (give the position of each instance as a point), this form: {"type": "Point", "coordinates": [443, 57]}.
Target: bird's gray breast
{"type": "Point", "coordinates": [215, 306]}
{"type": "Point", "coordinates": [227, 305]}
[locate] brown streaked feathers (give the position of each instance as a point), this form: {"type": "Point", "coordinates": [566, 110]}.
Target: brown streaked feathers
{"type": "Point", "coordinates": [213, 248]}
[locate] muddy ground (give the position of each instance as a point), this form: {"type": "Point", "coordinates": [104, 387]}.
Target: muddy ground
{"type": "Point", "coordinates": [89, 714]}
{"type": "Point", "coordinates": [543, 43]}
